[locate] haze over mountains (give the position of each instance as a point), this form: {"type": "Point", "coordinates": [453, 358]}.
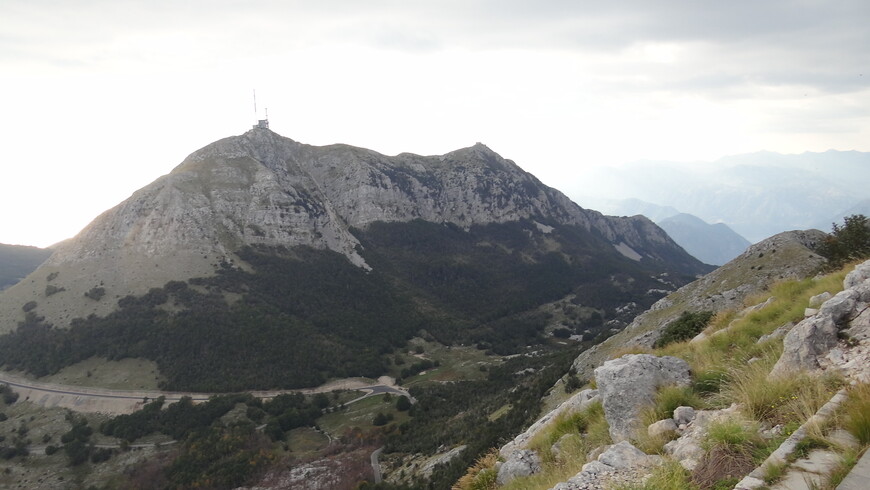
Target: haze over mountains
{"type": "Point", "coordinates": [757, 195]}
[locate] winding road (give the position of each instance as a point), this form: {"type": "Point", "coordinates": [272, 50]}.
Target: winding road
{"type": "Point", "coordinates": [116, 402]}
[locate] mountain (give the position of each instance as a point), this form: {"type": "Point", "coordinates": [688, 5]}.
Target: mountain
{"type": "Point", "coordinates": [788, 255]}
{"type": "Point", "coordinates": [630, 207]}
{"type": "Point", "coordinates": [712, 244]}
{"type": "Point", "coordinates": [17, 261]}
{"type": "Point", "coordinates": [757, 195]}
{"type": "Point", "coordinates": [262, 262]}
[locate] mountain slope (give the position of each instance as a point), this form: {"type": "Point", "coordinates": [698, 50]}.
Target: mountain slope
{"type": "Point", "coordinates": [260, 262]}
{"type": "Point", "coordinates": [712, 244]}
{"type": "Point", "coordinates": [788, 255]}
{"type": "Point", "coordinates": [263, 189]}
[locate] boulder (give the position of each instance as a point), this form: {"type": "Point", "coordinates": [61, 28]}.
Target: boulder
{"type": "Point", "coordinates": [840, 307]}
{"type": "Point", "coordinates": [521, 463]}
{"type": "Point", "coordinates": [779, 333]}
{"type": "Point", "coordinates": [661, 428]}
{"type": "Point", "coordinates": [629, 383]}
{"type": "Point", "coordinates": [805, 343]}
{"type": "Point", "coordinates": [818, 299]}
{"type": "Point", "coordinates": [623, 455]}
{"type": "Point", "coordinates": [684, 415]}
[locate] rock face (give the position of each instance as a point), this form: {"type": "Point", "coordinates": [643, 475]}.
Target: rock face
{"type": "Point", "coordinates": [264, 189]}
{"type": "Point", "coordinates": [813, 338]}
{"type": "Point", "coordinates": [630, 382]}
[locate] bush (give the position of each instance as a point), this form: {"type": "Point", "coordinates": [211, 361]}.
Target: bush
{"type": "Point", "coordinates": [848, 242]}
{"type": "Point", "coordinates": [403, 404]}
{"type": "Point", "coordinates": [572, 383]}
{"type": "Point", "coordinates": [688, 325]}
{"type": "Point", "coordinates": [96, 293]}
{"type": "Point", "coordinates": [380, 419]}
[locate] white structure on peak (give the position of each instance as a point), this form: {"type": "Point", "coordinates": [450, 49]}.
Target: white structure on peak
{"type": "Point", "coordinates": [261, 123]}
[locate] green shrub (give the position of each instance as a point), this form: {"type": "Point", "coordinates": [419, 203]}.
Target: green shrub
{"type": "Point", "coordinates": [848, 242]}
{"type": "Point", "coordinates": [688, 325]}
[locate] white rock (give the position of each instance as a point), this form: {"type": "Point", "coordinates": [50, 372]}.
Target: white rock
{"type": "Point", "coordinates": [630, 382]}
{"type": "Point", "coordinates": [622, 455]}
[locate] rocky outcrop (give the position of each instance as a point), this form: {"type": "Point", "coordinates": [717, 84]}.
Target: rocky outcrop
{"type": "Point", "coordinates": [619, 463]}
{"type": "Point", "coordinates": [574, 404]}
{"type": "Point", "coordinates": [813, 339]}
{"type": "Point", "coordinates": [629, 383]}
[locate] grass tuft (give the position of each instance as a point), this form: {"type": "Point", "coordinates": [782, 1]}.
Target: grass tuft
{"type": "Point", "coordinates": [857, 413]}
{"type": "Point", "coordinates": [669, 476]}
{"type": "Point", "coordinates": [481, 475]}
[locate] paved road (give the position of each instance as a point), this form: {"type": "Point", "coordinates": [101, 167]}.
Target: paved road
{"type": "Point", "coordinates": [84, 399]}
{"type": "Point", "coordinates": [376, 466]}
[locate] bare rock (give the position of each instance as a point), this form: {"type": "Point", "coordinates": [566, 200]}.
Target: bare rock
{"type": "Point", "coordinates": [841, 306]}
{"type": "Point", "coordinates": [622, 455]}
{"type": "Point", "coordinates": [818, 299]}
{"type": "Point", "coordinates": [662, 427]}
{"type": "Point", "coordinates": [630, 382]}
{"type": "Point", "coordinates": [779, 333]}
{"type": "Point", "coordinates": [805, 343]}
{"type": "Point", "coordinates": [684, 415]}
{"type": "Point", "coordinates": [521, 463]}
{"type": "Point", "coordinates": [859, 275]}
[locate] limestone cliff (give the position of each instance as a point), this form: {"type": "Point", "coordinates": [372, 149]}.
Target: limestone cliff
{"type": "Point", "coordinates": [262, 188]}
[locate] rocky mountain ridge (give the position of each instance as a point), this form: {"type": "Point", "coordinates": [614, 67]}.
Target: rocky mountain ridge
{"type": "Point", "coordinates": [787, 255]}
{"type": "Point", "coordinates": [260, 188]}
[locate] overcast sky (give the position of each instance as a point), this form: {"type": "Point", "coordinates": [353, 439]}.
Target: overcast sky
{"type": "Point", "coordinates": [100, 97]}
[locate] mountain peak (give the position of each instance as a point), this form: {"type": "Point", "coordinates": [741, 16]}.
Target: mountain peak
{"type": "Point", "coordinates": [263, 189]}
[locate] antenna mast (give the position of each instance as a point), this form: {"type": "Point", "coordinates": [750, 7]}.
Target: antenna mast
{"type": "Point", "coordinates": [261, 123]}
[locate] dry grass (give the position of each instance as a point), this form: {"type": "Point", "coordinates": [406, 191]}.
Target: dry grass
{"type": "Point", "coordinates": [856, 413]}
{"type": "Point", "coordinates": [481, 475]}
{"type": "Point", "coordinates": [723, 462]}
{"type": "Point", "coordinates": [629, 349]}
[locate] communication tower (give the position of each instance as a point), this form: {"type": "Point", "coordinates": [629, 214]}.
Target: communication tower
{"type": "Point", "coordinates": [261, 123]}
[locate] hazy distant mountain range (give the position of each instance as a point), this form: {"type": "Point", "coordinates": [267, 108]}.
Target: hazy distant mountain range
{"type": "Point", "coordinates": [17, 261]}
{"type": "Point", "coordinates": [712, 244]}
{"type": "Point", "coordinates": [757, 194]}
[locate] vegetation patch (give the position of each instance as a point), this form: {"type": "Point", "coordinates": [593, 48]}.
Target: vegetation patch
{"type": "Point", "coordinates": [687, 326]}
